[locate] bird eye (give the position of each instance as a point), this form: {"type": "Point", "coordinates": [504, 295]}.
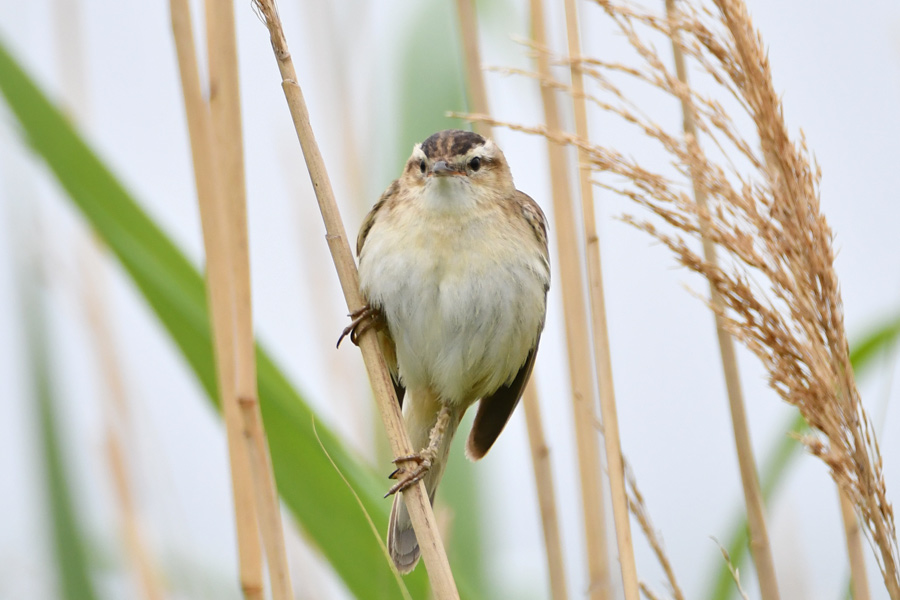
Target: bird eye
{"type": "Point", "coordinates": [422, 166]}
{"type": "Point", "coordinates": [475, 163]}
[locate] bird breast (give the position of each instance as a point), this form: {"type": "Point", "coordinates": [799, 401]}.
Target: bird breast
{"type": "Point", "coordinates": [463, 295]}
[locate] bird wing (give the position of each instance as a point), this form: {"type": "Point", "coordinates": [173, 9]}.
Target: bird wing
{"type": "Point", "coordinates": [536, 220]}
{"type": "Point", "coordinates": [370, 219]}
{"type": "Point", "coordinates": [390, 357]}
{"type": "Point", "coordinates": [384, 337]}
{"type": "Point", "coordinates": [494, 410]}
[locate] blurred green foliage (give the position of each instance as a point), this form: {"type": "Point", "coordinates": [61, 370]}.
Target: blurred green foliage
{"type": "Point", "coordinates": [69, 545]}
{"type": "Point", "coordinates": [430, 84]}
{"type": "Point", "coordinates": [431, 78]}
{"type": "Point", "coordinates": [174, 289]}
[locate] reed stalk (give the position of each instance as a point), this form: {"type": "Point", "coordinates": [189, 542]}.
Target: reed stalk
{"type": "Point", "coordinates": [118, 427]}
{"type": "Point", "coordinates": [639, 509]}
{"type": "Point", "coordinates": [477, 92]}
{"type": "Point", "coordinates": [577, 325]}
{"type": "Point", "coordinates": [859, 581]}
{"type": "Point", "coordinates": [225, 109]}
{"type": "Point", "coordinates": [67, 21]}
{"type": "Point", "coordinates": [218, 277]}
{"type": "Point", "coordinates": [737, 19]}
{"type": "Point", "coordinates": [753, 499]}
{"type": "Point", "coordinates": [148, 579]}
{"type": "Point", "coordinates": [602, 349]}
{"type": "Point", "coordinates": [218, 167]}
{"type": "Point", "coordinates": [543, 477]}
{"type": "Point", "coordinates": [767, 218]}
{"type": "Point", "coordinates": [779, 290]}
{"type": "Point", "coordinates": [324, 29]}
{"type": "Point", "coordinates": [68, 17]}
{"type": "Point", "coordinates": [540, 452]}
{"type": "Point", "coordinates": [266, 493]}
{"type": "Point", "coordinates": [417, 503]}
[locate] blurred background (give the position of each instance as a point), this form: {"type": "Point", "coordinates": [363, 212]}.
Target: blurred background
{"type": "Point", "coordinates": [378, 77]}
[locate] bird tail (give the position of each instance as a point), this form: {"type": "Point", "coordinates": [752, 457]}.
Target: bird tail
{"type": "Point", "coordinates": [401, 540]}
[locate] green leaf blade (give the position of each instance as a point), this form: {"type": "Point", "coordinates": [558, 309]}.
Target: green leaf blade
{"type": "Point", "coordinates": [69, 545]}
{"type": "Point", "coordinates": [174, 289]}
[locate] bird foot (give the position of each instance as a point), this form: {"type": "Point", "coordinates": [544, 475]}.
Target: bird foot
{"type": "Point", "coordinates": [407, 477]}
{"type": "Point", "coordinates": [424, 459]}
{"type": "Point", "coordinates": [363, 319]}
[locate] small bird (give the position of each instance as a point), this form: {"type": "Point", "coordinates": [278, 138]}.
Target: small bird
{"type": "Point", "coordinates": [454, 267]}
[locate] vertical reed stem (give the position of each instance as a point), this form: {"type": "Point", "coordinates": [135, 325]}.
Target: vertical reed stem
{"type": "Point", "coordinates": [540, 452]}
{"type": "Point", "coordinates": [219, 167]}
{"type": "Point", "coordinates": [577, 325]}
{"type": "Point", "coordinates": [858, 578]}
{"type": "Point", "coordinates": [417, 503]}
{"type": "Point", "coordinates": [118, 427]}
{"type": "Point", "coordinates": [218, 276]}
{"type": "Point", "coordinates": [759, 538]}
{"type": "Point", "coordinates": [602, 350]}
{"type": "Point", "coordinates": [225, 108]}
{"type": "Point", "coordinates": [135, 543]}
{"type": "Point", "coordinates": [468, 27]}
{"type": "Point", "coordinates": [266, 493]}
{"type": "Point", "coordinates": [543, 477]}
{"type": "Point", "coordinates": [67, 21]}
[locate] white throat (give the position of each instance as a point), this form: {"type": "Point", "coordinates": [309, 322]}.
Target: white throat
{"type": "Point", "coordinates": [449, 195]}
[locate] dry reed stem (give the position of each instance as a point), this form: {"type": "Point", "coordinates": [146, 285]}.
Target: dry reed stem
{"type": "Point", "coordinates": [118, 426]}
{"type": "Point", "coordinates": [577, 341]}
{"type": "Point", "coordinates": [149, 582]}
{"type": "Point", "coordinates": [343, 391]}
{"type": "Point", "coordinates": [224, 230]}
{"type": "Point", "coordinates": [218, 276]}
{"type": "Point", "coordinates": [468, 26]}
{"type": "Point", "coordinates": [858, 578]}
{"type": "Point", "coordinates": [602, 349]}
{"type": "Point", "coordinates": [226, 121]}
{"type": "Point", "coordinates": [540, 452]}
{"type": "Point", "coordinates": [648, 593]}
{"type": "Point", "coordinates": [416, 499]}
{"type": "Point", "coordinates": [322, 27]}
{"type": "Point", "coordinates": [765, 216]}
{"type": "Point", "coordinates": [67, 21]}
{"type": "Point", "coordinates": [135, 544]}
{"type": "Point", "coordinates": [225, 109]}
{"type": "Point", "coordinates": [639, 509]}
{"type": "Point", "coordinates": [759, 541]}
{"type": "Point", "coordinates": [68, 33]}
{"type": "Point", "coordinates": [543, 477]}
{"type": "Point", "coordinates": [756, 520]}
{"type": "Point", "coordinates": [269, 510]}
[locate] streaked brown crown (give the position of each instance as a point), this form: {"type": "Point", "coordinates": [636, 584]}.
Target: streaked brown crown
{"type": "Point", "coordinates": [450, 143]}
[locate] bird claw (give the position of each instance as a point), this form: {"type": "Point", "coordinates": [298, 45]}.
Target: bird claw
{"type": "Point", "coordinates": [408, 477]}
{"type": "Point", "coordinates": [363, 319]}
{"type": "Point", "coordinates": [416, 458]}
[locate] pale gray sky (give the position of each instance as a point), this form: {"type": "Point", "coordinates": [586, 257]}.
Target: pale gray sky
{"type": "Point", "coordinates": [839, 70]}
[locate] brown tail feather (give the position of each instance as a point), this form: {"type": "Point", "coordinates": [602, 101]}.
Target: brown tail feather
{"type": "Point", "coordinates": [401, 540]}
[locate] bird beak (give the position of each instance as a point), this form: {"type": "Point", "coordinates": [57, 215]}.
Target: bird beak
{"type": "Point", "coordinates": [442, 169]}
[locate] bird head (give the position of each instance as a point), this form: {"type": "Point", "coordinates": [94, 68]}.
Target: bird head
{"type": "Point", "coordinates": [453, 158]}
